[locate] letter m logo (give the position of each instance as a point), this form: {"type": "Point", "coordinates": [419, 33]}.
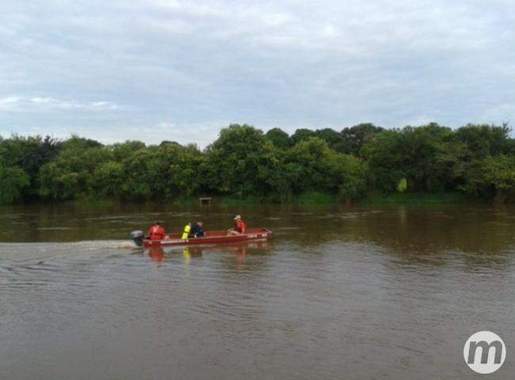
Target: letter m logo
{"type": "Point", "coordinates": [486, 349]}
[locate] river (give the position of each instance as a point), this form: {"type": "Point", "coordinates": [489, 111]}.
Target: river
{"type": "Point", "coordinates": [346, 293]}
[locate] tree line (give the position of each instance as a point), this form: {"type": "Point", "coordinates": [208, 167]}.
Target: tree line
{"type": "Point", "coordinates": [477, 160]}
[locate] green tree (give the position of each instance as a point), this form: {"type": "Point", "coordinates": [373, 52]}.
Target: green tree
{"type": "Point", "coordinates": [145, 173]}
{"type": "Point", "coordinates": [475, 159]}
{"type": "Point", "coordinates": [108, 179]}
{"type": "Point", "coordinates": [384, 155]}
{"type": "Point", "coordinates": [425, 156]}
{"type": "Point", "coordinates": [239, 161]}
{"type": "Point", "coordinates": [186, 170]}
{"type": "Point", "coordinates": [354, 138]}
{"type": "Point", "coordinates": [302, 134]}
{"type": "Point", "coordinates": [71, 174]}
{"type": "Point", "coordinates": [312, 166]}
{"type": "Point", "coordinates": [279, 138]}
{"type": "Point", "coordinates": [485, 140]}
{"type": "Point", "coordinates": [123, 150]}
{"type": "Point", "coordinates": [492, 177]}
{"type": "Point", "coordinates": [29, 154]}
{"type": "Point", "coordinates": [13, 181]}
{"type": "Point", "coordinates": [333, 139]}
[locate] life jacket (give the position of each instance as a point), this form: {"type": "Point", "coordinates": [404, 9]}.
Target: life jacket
{"type": "Point", "coordinates": [240, 226]}
{"type": "Point", "coordinates": [156, 232]}
{"type": "Point", "coordinates": [186, 232]}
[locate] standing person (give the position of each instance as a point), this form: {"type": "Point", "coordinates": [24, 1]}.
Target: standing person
{"type": "Point", "coordinates": [197, 229]}
{"type": "Point", "coordinates": [240, 227]}
{"type": "Point", "coordinates": [156, 232]}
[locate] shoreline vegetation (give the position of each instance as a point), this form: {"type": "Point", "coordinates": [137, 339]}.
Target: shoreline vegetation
{"type": "Point", "coordinates": [363, 164]}
{"type": "Point", "coordinates": [306, 200]}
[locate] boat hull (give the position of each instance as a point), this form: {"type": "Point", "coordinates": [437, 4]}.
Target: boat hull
{"type": "Point", "coordinates": [210, 238]}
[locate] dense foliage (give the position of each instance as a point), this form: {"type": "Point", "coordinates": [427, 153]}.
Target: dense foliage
{"type": "Point", "coordinates": [478, 160]}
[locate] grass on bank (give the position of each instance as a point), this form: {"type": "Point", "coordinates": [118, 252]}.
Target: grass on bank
{"type": "Point", "coordinates": [306, 199]}
{"type": "Point", "coordinates": [413, 199]}
{"type": "Point", "coordinates": [373, 199]}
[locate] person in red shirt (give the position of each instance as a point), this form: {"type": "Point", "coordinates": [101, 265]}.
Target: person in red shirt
{"type": "Point", "coordinates": [240, 227]}
{"type": "Point", "coordinates": [156, 232]}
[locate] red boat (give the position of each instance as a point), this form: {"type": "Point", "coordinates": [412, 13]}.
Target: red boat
{"type": "Point", "coordinates": [210, 237]}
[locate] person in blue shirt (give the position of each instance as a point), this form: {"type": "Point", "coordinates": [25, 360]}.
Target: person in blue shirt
{"type": "Point", "coordinates": [197, 229]}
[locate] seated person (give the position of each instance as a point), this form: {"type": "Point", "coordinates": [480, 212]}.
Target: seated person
{"type": "Point", "coordinates": [197, 229]}
{"type": "Point", "coordinates": [240, 227]}
{"type": "Point", "coordinates": [156, 232]}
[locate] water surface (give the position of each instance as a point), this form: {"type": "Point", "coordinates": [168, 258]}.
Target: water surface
{"type": "Point", "coordinates": [337, 293]}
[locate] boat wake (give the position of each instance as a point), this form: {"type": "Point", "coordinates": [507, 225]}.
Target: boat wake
{"type": "Point", "coordinates": [84, 244]}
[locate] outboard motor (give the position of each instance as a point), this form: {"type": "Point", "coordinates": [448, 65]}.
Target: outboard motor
{"type": "Point", "coordinates": [138, 237]}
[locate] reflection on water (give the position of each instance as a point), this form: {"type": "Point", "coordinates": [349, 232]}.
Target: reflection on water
{"type": "Point", "coordinates": [337, 293]}
{"type": "Point", "coordinates": [239, 250]}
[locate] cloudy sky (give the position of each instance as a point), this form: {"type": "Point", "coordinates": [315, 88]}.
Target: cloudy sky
{"type": "Point", "coordinates": [180, 70]}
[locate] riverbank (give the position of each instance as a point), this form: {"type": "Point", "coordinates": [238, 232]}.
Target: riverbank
{"type": "Point", "coordinates": [309, 199]}
{"type": "Point", "coordinates": [418, 199]}
{"type": "Point", "coordinates": [372, 200]}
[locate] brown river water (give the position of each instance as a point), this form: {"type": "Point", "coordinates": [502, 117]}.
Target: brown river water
{"type": "Point", "coordinates": [338, 293]}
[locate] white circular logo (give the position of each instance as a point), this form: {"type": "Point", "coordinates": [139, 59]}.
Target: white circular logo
{"type": "Point", "coordinates": [484, 352]}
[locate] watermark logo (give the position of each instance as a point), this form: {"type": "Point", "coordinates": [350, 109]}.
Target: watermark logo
{"type": "Point", "coordinates": [484, 352]}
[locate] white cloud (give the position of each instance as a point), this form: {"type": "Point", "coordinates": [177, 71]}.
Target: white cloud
{"type": "Point", "coordinates": [46, 103]}
{"type": "Point", "coordinates": [286, 64]}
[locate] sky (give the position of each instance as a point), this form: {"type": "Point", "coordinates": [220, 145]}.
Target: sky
{"type": "Point", "coordinates": [156, 70]}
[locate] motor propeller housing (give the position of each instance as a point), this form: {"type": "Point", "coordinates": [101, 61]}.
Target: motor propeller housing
{"type": "Point", "coordinates": [138, 237]}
